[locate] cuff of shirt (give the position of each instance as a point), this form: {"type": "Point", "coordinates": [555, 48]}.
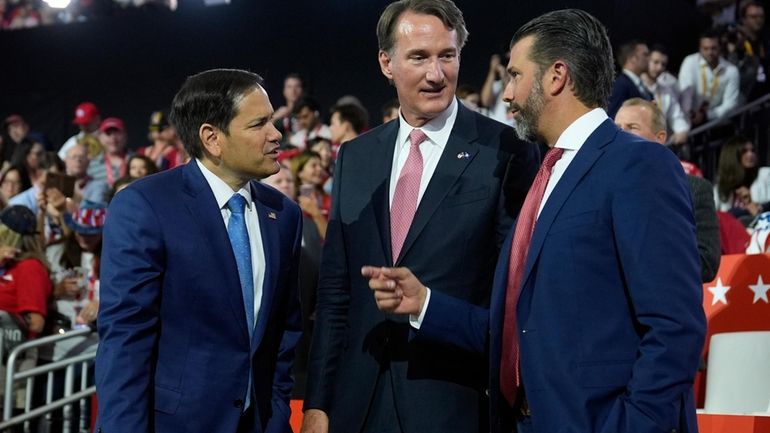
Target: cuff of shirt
{"type": "Point", "coordinates": [416, 321]}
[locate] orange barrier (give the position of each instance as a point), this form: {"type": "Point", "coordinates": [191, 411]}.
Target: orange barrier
{"type": "Point", "coordinates": [711, 423]}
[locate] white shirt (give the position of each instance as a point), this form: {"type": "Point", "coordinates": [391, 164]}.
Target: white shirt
{"type": "Point", "coordinates": [721, 97]}
{"type": "Point", "coordinates": [571, 140]}
{"type": "Point", "coordinates": [223, 193]}
{"type": "Point", "coordinates": [438, 130]}
{"type": "Point", "coordinates": [668, 101]}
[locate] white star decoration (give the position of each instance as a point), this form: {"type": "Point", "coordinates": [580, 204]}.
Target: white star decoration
{"type": "Point", "coordinates": [760, 290]}
{"type": "Point", "coordinates": [720, 292]}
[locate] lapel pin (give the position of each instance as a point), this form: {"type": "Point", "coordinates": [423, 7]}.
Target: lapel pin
{"type": "Point", "coordinates": [272, 215]}
{"type": "Point", "coordinates": [463, 155]}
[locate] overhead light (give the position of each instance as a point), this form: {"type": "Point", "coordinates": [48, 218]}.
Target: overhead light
{"type": "Point", "coordinates": [57, 4]}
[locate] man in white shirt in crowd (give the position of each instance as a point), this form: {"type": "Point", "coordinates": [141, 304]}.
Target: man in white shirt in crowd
{"type": "Point", "coordinates": [665, 91]}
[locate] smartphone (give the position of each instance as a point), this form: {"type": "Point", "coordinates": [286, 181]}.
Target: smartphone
{"type": "Point", "coordinates": [65, 184]}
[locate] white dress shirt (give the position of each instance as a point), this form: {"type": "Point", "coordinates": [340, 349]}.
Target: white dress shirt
{"type": "Point", "coordinates": [571, 140]}
{"type": "Point", "coordinates": [223, 193]}
{"type": "Point", "coordinates": [667, 99]}
{"type": "Point", "coordinates": [721, 88]}
{"type": "Point", "coordinates": [438, 130]}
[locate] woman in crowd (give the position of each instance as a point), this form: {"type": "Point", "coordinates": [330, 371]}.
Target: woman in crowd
{"type": "Point", "coordinates": [13, 181]}
{"type": "Point", "coordinates": [742, 187]}
{"type": "Point", "coordinates": [312, 198]}
{"type": "Point", "coordinates": [28, 154]}
{"type": "Point", "coordinates": [140, 166]}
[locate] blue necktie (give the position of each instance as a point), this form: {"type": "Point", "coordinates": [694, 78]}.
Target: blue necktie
{"type": "Point", "coordinates": [239, 240]}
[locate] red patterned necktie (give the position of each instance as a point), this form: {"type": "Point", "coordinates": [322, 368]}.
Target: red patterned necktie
{"type": "Point", "coordinates": [405, 197]}
{"type": "Point", "coordinates": [510, 378]}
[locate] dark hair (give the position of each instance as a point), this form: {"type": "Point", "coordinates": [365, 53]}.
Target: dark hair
{"type": "Point", "coordinates": [445, 10]}
{"type": "Point", "coordinates": [211, 97]}
{"type": "Point", "coordinates": [627, 50]}
{"type": "Point", "coordinates": [580, 40]}
{"type": "Point", "coordinates": [730, 172]}
{"type": "Point", "coordinates": [746, 4]}
{"type": "Point", "coordinates": [306, 101]}
{"type": "Point", "coordinates": [357, 117]}
{"type": "Point", "coordinates": [23, 176]}
{"type": "Point", "coordinates": [390, 105]}
{"type": "Point", "coordinates": [51, 159]}
{"type": "Point", "coordinates": [295, 76]}
{"type": "Point", "coordinates": [710, 34]}
{"type": "Point", "coordinates": [659, 48]}
{"type": "Point", "coordinates": [19, 156]}
{"type": "Point", "coordinates": [464, 90]}
{"type": "Point", "coordinates": [149, 164]}
{"type": "Point", "coordinates": [120, 182]}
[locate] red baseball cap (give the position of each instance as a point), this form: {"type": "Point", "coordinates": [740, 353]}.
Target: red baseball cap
{"type": "Point", "coordinates": [13, 118]}
{"type": "Point", "coordinates": [85, 113]}
{"type": "Point", "coordinates": [112, 123]}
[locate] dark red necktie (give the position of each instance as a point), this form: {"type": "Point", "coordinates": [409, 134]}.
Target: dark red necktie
{"type": "Point", "coordinates": [510, 377]}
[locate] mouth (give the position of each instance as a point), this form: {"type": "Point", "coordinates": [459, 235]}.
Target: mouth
{"type": "Point", "coordinates": [432, 92]}
{"type": "Point", "coordinates": [273, 153]}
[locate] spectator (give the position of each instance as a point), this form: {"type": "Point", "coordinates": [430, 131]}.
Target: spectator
{"type": "Point", "coordinates": [140, 166]}
{"type": "Point", "coordinates": [665, 90]}
{"type": "Point", "coordinates": [87, 118]}
{"type": "Point", "coordinates": [284, 118]}
{"type": "Point", "coordinates": [13, 181]}
{"type": "Point", "coordinates": [28, 154]}
{"type": "Point", "coordinates": [347, 121]}
{"type": "Point", "coordinates": [390, 110]}
{"type": "Point", "coordinates": [29, 197]}
{"type": "Point", "coordinates": [311, 197]}
{"type": "Point", "coordinates": [747, 48]}
{"type": "Point", "coordinates": [76, 165]}
{"type": "Point", "coordinates": [710, 84]}
{"type": "Point", "coordinates": [308, 116]}
{"type": "Point", "coordinates": [634, 59]}
{"type": "Point", "coordinates": [469, 96]}
{"type": "Point", "coordinates": [491, 92]}
{"type": "Point", "coordinates": [16, 129]}
{"type": "Point", "coordinates": [742, 187]}
{"type": "Point", "coordinates": [163, 151]}
{"type": "Point", "coordinates": [113, 162]}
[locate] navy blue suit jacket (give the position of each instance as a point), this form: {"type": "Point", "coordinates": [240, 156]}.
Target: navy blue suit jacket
{"type": "Point", "coordinates": [175, 353]}
{"type": "Point", "coordinates": [623, 89]}
{"type": "Point", "coordinates": [610, 317]}
{"type": "Point", "coordinates": [452, 245]}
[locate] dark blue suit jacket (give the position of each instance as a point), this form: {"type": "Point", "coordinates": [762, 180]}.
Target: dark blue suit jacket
{"type": "Point", "coordinates": [175, 353]}
{"type": "Point", "coordinates": [452, 245]}
{"type": "Point", "coordinates": [623, 89]}
{"type": "Point", "coordinates": [610, 316]}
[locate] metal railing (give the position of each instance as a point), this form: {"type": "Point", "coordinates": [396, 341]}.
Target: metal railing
{"type": "Point", "coordinates": [751, 120]}
{"type": "Point", "coordinates": [66, 402]}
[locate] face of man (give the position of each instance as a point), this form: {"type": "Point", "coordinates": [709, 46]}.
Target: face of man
{"type": "Point", "coordinates": [18, 130]}
{"type": "Point", "coordinates": [754, 19]}
{"type": "Point", "coordinates": [250, 150]}
{"type": "Point", "coordinates": [658, 64]}
{"type": "Point", "coordinates": [640, 59]}
{"type": "Point", "coordinates": [424, 65]}
{"type": "Point", "coordinates": [113, 140]}
{"type": "Point", "coordinates": [76, 162]}
{"type": "Point", "coordinates": [637, 120]}
{"type": "Point", "coordinates": [524, 91]}
{"type": "Point", "coordinates": [292, 89]}
{"type": "Point", "coordinates": [709, 49]}
{"type": "Point", "coordinates": [307, 118]}
{"type": "Point", "coordinates": [338, 127]}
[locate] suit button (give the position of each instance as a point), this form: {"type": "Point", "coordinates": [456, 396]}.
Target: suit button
{"type": "Point", "coordinates": [238, 403]}
{"type": "Point", "coordinates": [486, 392]}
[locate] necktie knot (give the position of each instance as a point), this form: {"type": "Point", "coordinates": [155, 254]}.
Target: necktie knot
{"type": "Point", "coordinates": [553, 155]}
{"type": "Point", "coordinates": [416, 137]}
{"type": "Point", "coordinates": [236, 204]}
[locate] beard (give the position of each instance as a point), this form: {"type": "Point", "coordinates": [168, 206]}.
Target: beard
{"type": "Point", "coordinates": [526, 126]}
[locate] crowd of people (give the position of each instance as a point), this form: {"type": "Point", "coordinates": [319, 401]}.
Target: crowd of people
{"type": "Point", "coordinates": [55, 197]}
{"type": "Point", "coordinates": [21, 14]}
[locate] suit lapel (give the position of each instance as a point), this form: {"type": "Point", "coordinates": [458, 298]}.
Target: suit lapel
{"type": "Point", "coordinates": [202, 205]}
{"type": "Point", "coordinates": [268, 228]}
{"type": "Point", "coordinates": [380, 167]}
{"type": "Point", "coordinates": [580, 165]}
{"type": "Point", "coordinates": [459, 152]}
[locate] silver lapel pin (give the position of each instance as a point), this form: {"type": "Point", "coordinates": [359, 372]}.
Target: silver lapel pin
{"type": "Point", "coordinates": [463, 155]}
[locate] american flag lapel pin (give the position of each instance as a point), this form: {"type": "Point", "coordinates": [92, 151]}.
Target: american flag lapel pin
{"type": "Point", "coordinates": [272, 215]}
{"type": "Point", "coordinates": [463, 155]}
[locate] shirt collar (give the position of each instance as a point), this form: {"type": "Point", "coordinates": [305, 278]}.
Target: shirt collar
{"type": "Point", "coordinates": [721, 65]}
{"type": "Point", "coordinates": [437, 129]}
{"type": "Point", "coordinates": [222, 191]}
{"type": "Point", "coordinates": [635, 78]}
{"type": "Point", "coordinates": [578, 132]}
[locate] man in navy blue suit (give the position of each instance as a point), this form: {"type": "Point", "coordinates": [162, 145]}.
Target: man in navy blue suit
{"type": "Point", "coordinates": [595, 322]}
{"type": "Point", "coordinates": [199, 300]}
{"type": "Point", "coordinates": [634, 59]}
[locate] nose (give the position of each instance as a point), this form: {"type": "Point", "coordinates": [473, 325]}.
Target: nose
{"type": "Point", "coordinates": [508, 92]}
{"type": "Point", "coordinates": [275, 134]}
{"type": "Point", "coordinates": [435, 74]}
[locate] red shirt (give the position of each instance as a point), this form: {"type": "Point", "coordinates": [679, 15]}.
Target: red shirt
{"type": "Point", "coordinates": [25, 288]}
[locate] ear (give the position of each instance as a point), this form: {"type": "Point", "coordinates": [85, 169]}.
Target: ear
{"type": "Point", "coordinates": [661, 136]}
{"type": "Point", "coordinates": [385, 65]}
{"type": "Point", "coordinates": [210, 137]}
{"type": "Point", "coordinates": [556, 78]}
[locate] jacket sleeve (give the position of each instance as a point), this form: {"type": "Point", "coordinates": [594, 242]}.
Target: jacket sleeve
{"type": "Point", "coordinates": [131, 279]}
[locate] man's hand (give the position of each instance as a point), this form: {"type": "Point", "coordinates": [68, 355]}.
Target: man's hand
{"type": "Point", "coordinates": [315, 421]}
{"type": "Point", "coordinates": [396, 290]}
{"type": "Point", "coordinates": [88, 313]}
